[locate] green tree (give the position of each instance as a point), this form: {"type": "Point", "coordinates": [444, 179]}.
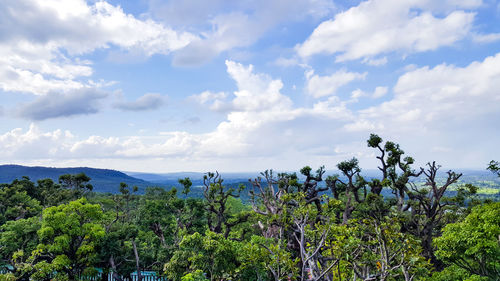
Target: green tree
{"type": "Point", "coordinates": [216, 195]}
{"type": "Point", "coordinates": [473, 244]}
{"type": "Point", "coordinates": [396, 170]}
{"type": "Point", "coordinates": [265, 259]}
{"type": "Point", "coordinates": [18, 238]}
{"type": "Point", "coordinates": [455, 273]}
{"type": "Point", "coordinates": [16, 203]}
{"type": "Point", "coordinates": [211, 253]}
{"type": "Point", "coordinates": [382, 252]}
{"type": "Point", "coordinates": [354, 183]}
{"type": "Point", "coordinates": [429, 209]}
{"type": "Point", "coordinates": [198, 275]}
{"type": "Point", "coordinates": [78, 183]}
{"type": "Point", "coordinates": [156, 213]}
{"type": "Point", "coordinates": [68, 238]}
{"type": "Point", "coordinates": [494, 167]}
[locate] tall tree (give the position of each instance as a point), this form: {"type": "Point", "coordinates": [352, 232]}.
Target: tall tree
{"type": "Point", "coordinates": [18, 238]}
{"type": "Point", "coordinates": [355, 182]}
{"type": "Point", "coordinates": [429, 206]}
{"type": "Point", "coordinates": [211, 253]}
{"type": "Point", "coordinates": [216, 195]}
{"type": "Point", "coordinates": [16, 203]}
{"type": "Point", "coordinates": [474, 243]}
{"type": "Point", "coordinates": [68, 237]}
{"type": "Point", "coordinates": [494, 167]}
{"type": "Point", "coordinates": [77, 182]}
{"type": "Point", "coordinates": [396, 170]}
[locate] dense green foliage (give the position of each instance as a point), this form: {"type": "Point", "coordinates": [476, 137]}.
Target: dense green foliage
{"type": "Point", "coordinates": [293, 227]}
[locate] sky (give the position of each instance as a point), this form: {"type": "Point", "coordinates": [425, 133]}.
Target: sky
{"type": "Point", "coordinates": [237, 86]}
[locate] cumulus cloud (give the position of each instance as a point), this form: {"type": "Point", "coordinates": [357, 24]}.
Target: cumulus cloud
{"type": "Point", "coordinates": [356, 94]}
{"type": "Point", "coordinates": [377, 93]}
{"type": "Point", "coordinates": [375, 61]}
{"type": "Point", "coordinates": [486, 38]}
{"type": "Point", "coordinates": [214, 101]}
{"type": "Point", "coordinates": [143, 103]}
{"type": "Point", "coordinates": [55, 104]}
{"type": "Point", "coordinates": [228, 33]}
{"type": "Point", "coordinates": [427, 109]}
{"type": "Point", "coordinates": [321, 86]}
{"type": "Point", "coordinates": [35, 69]}
{"type": "Point", "coordinates": [381, 26]}
{"type": "Point", "coordinates": [380, 92]}
{"type": "Point", "coordinates": [221, 31]}
{"type": "Point", "coordinates": [445, 98]}
{"type": "Point", "coordinates": [79, 27]}
{"type": "Point", "coordinates": [442, 106]}
{"type": "Point", "coordinates": [256, 92]}
{"type": "Point", "coordinates": [20, 144]}
{"type": "Point", "coordinates": [40, 41]}
{"type": "Point", "coordinates": [258, 113]}
{"type": "Point", "coordinates": [286, 62]}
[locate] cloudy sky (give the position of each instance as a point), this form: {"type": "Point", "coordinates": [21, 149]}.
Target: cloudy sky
{"type": "Point", "coordinates": [199, 85]}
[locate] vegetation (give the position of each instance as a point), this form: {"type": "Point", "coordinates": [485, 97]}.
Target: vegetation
{"type": "Point", "coordinates": [310, 226]}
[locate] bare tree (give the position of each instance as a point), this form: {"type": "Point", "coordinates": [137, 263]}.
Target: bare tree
{"type": "Point", "coordinates": [430, 208]}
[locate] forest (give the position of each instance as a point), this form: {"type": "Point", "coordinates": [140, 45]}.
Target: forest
{"type": "Point", "coordinates": [305, 226]}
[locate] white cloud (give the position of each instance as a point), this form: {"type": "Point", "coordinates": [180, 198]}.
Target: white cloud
{"type": "Point", "coordinates": [256, 92]}
{"type": "Point", "coordinates": [381, 26]}
{"type": "Point", "coordinates": [321, 86]}
{"type": "Point", "coordinates": [215, 101]}
{"type": "Point", "coordinates": [379, 92]}
{"type": "Point", "coordinates": [146, 102]}
{"type": "Point", "coordinates": [364, 126]}
{"type": "Point", "coordinates": [207, 97]}
{"type": "Point", "coordinates": [431, 109]}
{"type": "Point", "coordinates": [374, 61]}
{"type": "Point", "coordinates": [221, 30]}
{"type": "Point", "coordinates": [445, 113]}
{"type": "Point", "coordinates": [356, 94]}
{"type": "Point", "coordinates": [20, 80]}
{"type": "Point", "coordinates": [427, 98]}
{"type": "Point", "coordinates": [26, 145]}
{"type": "Point", "coordinates": [80, 28]}
{"type": "Point", "coordinates": [230, 31]}
{"type": "Point", "coordinates": [262, 122]}
{"type": "Point", "coordinates": [95, 147]}
{"type": "Point", "coordinates": [37, 36]}
{"type": "Point", "coordinates": [486, 38]}
{"type": "Point", "coordinates": [286, 62]}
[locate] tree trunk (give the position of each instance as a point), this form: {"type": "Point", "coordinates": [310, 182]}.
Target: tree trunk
{"type": "Point", "coordinates": [137, 265]}
{"type": "Point", "coordinates": [113, 267]}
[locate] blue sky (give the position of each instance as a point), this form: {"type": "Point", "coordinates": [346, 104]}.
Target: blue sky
{"type": "Point", "coordinates": [203, 85]}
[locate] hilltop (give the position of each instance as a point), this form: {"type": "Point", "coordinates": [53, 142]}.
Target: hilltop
{"type": "Point", "coordinates": [103, 180]}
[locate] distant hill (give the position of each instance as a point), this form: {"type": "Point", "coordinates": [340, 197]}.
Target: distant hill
{"type": "Point", "coordinates": [487, 182]}
{"type": "Point", "coordinates": [103, 180]}
{"type": "Point", "coordinates": [197, 178]}
{"type": "Point", "coordinates": [171, 180]}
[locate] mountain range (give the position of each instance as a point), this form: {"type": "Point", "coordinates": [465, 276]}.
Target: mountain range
{"type": "Point", "coordinates": [106, 180]}
{"type": "Point", "coordinates": [103, 180]}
